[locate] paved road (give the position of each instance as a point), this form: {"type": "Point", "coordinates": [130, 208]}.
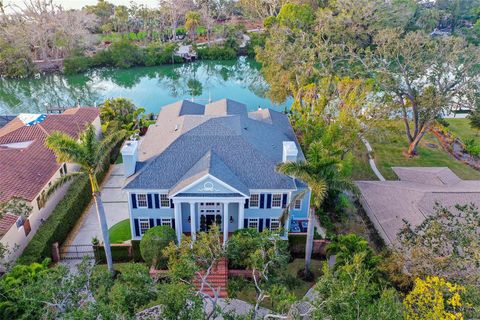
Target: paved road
{"type": "Point", "coordinates": [116, 208]}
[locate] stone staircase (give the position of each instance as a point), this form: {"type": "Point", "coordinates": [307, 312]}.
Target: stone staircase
{"type": "Point", "coordinates": [218, 278]}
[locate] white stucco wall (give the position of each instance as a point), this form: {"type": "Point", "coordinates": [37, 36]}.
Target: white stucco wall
{"type": "Point", "coordinates": [15, 239]}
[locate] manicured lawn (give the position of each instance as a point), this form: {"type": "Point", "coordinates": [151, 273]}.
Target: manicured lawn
{"type": "Point", "coordinates": [120, 232]}
{"type": "Point", "coordinates": [248, 293]}
{"type": "Point", "coordinates": [461, 128]}
{"type": "Point", "coordinates": [389, 144]}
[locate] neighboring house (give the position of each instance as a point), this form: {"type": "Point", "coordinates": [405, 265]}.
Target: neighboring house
{"type": "Point", "coordinates": [200, 165]}
{"type": "Point", "coordinates": [28, 168]}
{"type": "Point", "coordinates": [413, 197]}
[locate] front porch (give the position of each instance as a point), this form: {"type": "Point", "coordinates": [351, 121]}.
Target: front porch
{"type": "Point", "coordinates": [196, 214]}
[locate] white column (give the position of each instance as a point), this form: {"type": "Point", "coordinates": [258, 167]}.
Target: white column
{"type": "Point", "coordinates": [226, 218]}
{"type": "Point", "coordinates": [193, 221]}
{"type": "Point", "coordinates": [241, 215]}
{"type": "Point", "coordinates": [178, 220]}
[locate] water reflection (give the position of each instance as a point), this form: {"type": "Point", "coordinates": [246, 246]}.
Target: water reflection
{"type": "Point", "coordinates": [149, 87]}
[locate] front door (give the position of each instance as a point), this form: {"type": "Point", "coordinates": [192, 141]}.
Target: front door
{"type": "Point", "coordinates": [210, 213]}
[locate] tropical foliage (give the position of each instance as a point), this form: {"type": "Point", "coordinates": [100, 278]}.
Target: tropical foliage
{"type": "Point", "coordinates": [383, 44]}
{"type": "Point", "coordinates": [435, 298]}
{"type": "Point", "coordinates": [93, 156]}
{"type": "Point", "coordinates": [446, 244]}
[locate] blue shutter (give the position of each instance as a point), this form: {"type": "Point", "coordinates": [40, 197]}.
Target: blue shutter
{"type": "Point", "coordinates": [262, 201]}
{"type": "Point", "coordinates": [246, 204]}
{"type": "Point", "coordinates": [284, 200]}
{"type": "Point", "coordinates": [158, 222]}
{"type": "Point", "coordinates": [260, 225]}
{"type": "Point", "coordinates": [134, 201]}
{"type": "Point", "coordinates": [149, 200]}
{"type": "Point", "coordinates": [157, 200]}
{"type": "Point", "coordinates": [137, 228]}
{"type": "Point", "coordinates": [267, 223]}
{"type": "Point", "coordinates": [173, 224]}
{"type": "Point", "coordinates": [269, 201]}
{"type": "Point", "coordinates": [152, 223]}
{"type": "Point", "coordinates": [245, 223]}
{"type": "Point", "coordinates": [171, 204]}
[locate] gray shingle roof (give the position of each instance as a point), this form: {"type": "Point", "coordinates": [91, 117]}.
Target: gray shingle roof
{"type": "Point", "coordinates": [211, 164]}
{"type": "Point", "coordinates": [389, 203]}
{"type": "Point", "coordinates": [227, 143]}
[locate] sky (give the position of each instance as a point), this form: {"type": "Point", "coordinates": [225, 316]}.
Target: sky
{"type": "Point", "coordinates": [77, 4]}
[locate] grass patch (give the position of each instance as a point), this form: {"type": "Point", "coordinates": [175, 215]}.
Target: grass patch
{"type": "Point", "coordinates": [461, 128]}
{"type": "Point", "coordinates": [300, 289]}
{"type": "Point", "coordinates": [120, 232]}
{"type": "Point", "coordinates": [389, 142]}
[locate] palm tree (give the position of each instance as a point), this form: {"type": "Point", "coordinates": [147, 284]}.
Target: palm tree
{"type": "Point", "coordinates": [324, 174]}
{"type": "Point", "coordinates": [192, 21]}
{"type": "Point", "coordinates": [92, 155]}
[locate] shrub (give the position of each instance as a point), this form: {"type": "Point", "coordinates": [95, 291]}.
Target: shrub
{"type": "Point", "coordinates": [158, 53]}
{"type": "Point", "coordinates": [152, 244]}
{"type": "Point", "coordinates": [472, 148]}
{"type": "Point", "coordinates": [131, 290]}
{"type": "Point", "coordinates": [435, 298]}
{"type": "Point", "coordinates": [216, 53]}
{"type": "Point", "coordinates": [242, 243]}
{"type": "Point", "coordinates": [62, 220]}
{"type": "Point", "coordinates": [77, 64]}
{"type": "Point", "coordinates": [119, 253]}
{"type": "Point", "coordinates": [124, 55]}
{"type": "Point", "coordinates": [257, 40]}
{"type": "Point", "coordinates": [14, 62]}
{"type": "Point", "coordinates": [235, 285]}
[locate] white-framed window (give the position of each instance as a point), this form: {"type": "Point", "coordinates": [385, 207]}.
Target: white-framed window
{"type": "Point", "coordinates": [166, 222]}
{"type": "Point", "coordinates": [276, 200]}
{"type": "Point", "coordinates": [144, 225]}
{"type": "Point", "coordinates": [142, 201]}
{"type": "Point", "coordinates": [164, 201]}
{"type": "Point", "coordinates": [298, 204]}
{"type": "Point", "coordinates": [274, 224]}
{"type": "Point", "coordinates": [254, 200]}
{"type": "Point", "coordinates": [253, 223]}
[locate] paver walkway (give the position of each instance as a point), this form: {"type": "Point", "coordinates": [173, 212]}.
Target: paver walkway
{"type": "Point", "coordinates": [116, 208]}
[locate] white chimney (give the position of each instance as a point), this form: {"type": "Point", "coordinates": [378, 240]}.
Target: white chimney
{"type": "Point", "coordinates": [290, 151]}
{"type": "Point", "coordinates": [130, 157]}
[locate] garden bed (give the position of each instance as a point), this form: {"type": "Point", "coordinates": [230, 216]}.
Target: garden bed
{"type": "Point", "coordinates": [244, 289]}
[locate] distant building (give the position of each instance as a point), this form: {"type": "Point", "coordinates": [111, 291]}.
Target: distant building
{"type": "Point", "coordinates": [413, 197]}
{"type": "Point", "coordinates": [215, 163]}
{"type": "Point", "coordinates": [28, 168]}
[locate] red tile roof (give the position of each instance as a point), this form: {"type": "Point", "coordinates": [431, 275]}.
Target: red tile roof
{"type": "Point", "coordinates": [25, 172]}
{"type": "Point", "coordinates": [6, 222]}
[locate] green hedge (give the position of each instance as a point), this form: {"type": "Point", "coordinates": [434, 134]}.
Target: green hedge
{"type": "Point", "coordinates": [63, 218]}
{"type": "Point", "coordinates": [216, 53]}
{"type": "Point", "coordinates": [119, 253]}
{"type": "Point", "coordinates": [123, 54]}
{"type": "Point", "coordinates": [60, 222]}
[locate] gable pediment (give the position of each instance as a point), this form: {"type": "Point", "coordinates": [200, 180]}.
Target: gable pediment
{"type": "Point", "coordinates": [208, 184]}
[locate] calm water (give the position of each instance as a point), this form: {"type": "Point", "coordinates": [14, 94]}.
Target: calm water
{"type": "Point", "coordinates": [148, 87]}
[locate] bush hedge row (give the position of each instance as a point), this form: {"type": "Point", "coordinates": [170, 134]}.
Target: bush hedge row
{"type": "Point", "coordinates": [119, 253]}
{"type": "Point", "coordinates": [124, 54]}
{"type": "Point", "coordinates": [60, 222]}
{"type": "Point", "coordinates": [63, 218]}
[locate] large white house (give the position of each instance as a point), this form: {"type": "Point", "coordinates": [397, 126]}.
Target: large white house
{"type": "Point", "coordinates": [215, 163]}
